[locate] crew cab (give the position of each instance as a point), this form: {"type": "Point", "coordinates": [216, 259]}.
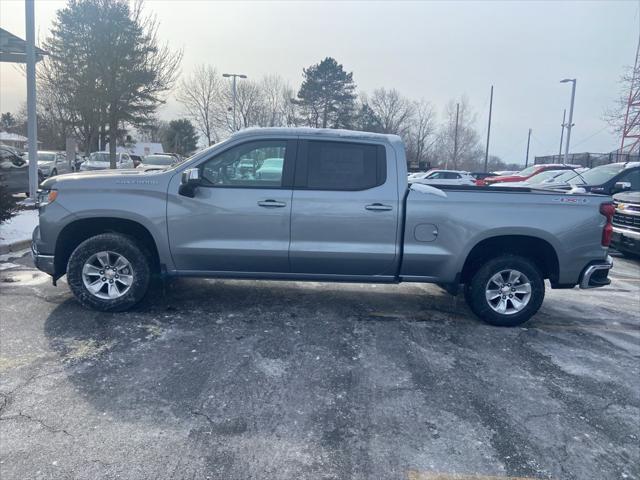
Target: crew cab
{"type": "Point", "coordinates": [335, 207]}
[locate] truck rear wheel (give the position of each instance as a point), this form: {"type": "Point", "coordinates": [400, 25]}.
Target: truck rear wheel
{"type": "Point", "coordinates": [108, 272]}
{"type": "Point", "coordinates": [506, 291]}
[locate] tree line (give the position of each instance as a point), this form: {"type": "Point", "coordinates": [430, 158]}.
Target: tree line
{"type": "Point", "coordinates": [107, 73]}
{"type": "Point", "coordinates": [328, 98]}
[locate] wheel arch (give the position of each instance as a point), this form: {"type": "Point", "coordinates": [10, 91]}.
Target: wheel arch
{"type": "Point", "coordinates": [77, 231]}
{"type": "Point", "coordinates": [537, 249]}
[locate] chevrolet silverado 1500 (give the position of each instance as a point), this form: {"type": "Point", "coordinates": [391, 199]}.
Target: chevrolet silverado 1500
{"type": "Point", "coordinates": [335, 206]}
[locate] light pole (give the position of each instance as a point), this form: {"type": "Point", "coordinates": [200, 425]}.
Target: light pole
{"type": "Point", "coordinates": [564, 118]}
{"type": "Point", "coordinates": [234, 76]}
{"type": "Point", "coordinates": [32, 128]}
{"type": "Point", "coordinates": [570, 124]}
{"type": "Point", "coordinates": [526, 160]}
{"type": "Point", "coordinates": [486, 152]}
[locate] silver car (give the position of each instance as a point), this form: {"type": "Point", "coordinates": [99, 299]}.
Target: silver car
{"type": "Point", "coordinates": [101, 161]}
{"type": "Point", "coordinates": [53, 163]}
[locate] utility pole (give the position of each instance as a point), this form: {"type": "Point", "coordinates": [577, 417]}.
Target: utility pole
{"type": "Point", "coordinates": [32, 127]}
{"type": "Point", "coordinates": [486, 152]}
{"type": "Point", "coordinates": [526, 160]}
{"type": "Point", "coordinates": [570, 124]}
{"type": "Point", "coordinates": [455, 139]}
{"type": "Point", "coordinates": [564, 115]}
{"type": "Point", "coordinates": [234, 76]}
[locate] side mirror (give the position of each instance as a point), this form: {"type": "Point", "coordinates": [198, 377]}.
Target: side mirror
{"type": "Point", "coordinates": [622, 186]}
{"type": "Point", "coordinates": [189, 181]}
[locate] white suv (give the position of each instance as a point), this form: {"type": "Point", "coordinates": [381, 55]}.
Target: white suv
{"type": "Point", "coordinates": [443, 177]}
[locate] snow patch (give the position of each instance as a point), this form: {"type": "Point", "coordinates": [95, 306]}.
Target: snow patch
{"type": "Point", "coordinates": [18, 228]}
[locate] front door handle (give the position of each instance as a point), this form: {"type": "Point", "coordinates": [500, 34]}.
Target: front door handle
{"type": "Point", "coordinates": [378, 207]}
{"type": "Point", "coordinates": [271, 203]}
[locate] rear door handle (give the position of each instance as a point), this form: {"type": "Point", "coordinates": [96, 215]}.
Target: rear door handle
{"type": "Point", "coordinates": [378, 207]}
{"type": "Point", "coordinates": [271, 203]}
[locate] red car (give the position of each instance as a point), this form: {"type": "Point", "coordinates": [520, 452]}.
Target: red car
{"type": "Point", "coordinates": [527, 173]}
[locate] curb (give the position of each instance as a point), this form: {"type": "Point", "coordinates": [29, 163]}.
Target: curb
{"type": "Point", "coordinates": [15, 246]}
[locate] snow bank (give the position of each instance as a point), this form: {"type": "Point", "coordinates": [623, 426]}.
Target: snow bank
{"type": "Point", "coordinates": [18, 228]}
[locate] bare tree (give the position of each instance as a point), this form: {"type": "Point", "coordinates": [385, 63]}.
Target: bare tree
{"type": "Point", "coordinates": [275, 101]}
{"type": "Point", "coordinates": [201, 96]}
{"type": "Point", "coordinates": [463, 149]}
{"type": "Point", "coordinates": [393, 111]}
{"type": "Point", "coordinates": [615, 116]}
{"type": "Point", "coordinates": [421, 137]}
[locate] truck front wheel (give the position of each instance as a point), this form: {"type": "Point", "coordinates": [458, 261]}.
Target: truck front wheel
{"type": "Point", "coordinates": [506, 291]}
{"type": "Point", "coordinates": [108, 272]}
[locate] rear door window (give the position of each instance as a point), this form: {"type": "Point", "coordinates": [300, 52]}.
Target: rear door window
{"type": "Point", "coordinates": [341, 166]}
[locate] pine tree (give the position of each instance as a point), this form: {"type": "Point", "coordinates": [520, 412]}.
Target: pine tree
{"type": "Point", "coordinates": [180, 137]}
{"type": "Point", "coordinates": [107, 67]}
{"type": "Point", "coordinates": [327, 95]}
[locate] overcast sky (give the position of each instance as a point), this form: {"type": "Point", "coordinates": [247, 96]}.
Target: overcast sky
{"type": "Point", "coordinates": [432, 50]}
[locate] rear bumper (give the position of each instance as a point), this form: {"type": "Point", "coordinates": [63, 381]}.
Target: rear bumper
{"type": "Point", "coordinates": [596, 274]}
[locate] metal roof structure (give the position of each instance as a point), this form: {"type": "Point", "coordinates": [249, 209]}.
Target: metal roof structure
{"type": "Point", "coordinates": [14, 49]}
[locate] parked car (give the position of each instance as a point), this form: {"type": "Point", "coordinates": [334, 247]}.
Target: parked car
{"type": "Point", "coordinates": [528, 172]}
{"type": "Point", "coordinates": [444, 177]}
{"type": "Point", "coordinates": [626, 223]}
{"type": "Point", "coordinates": [156, 161]}
{"type": "Point", "coordinates": [14, 150]}
{"type": "Point", "coordinates": [101, 161]}
{"type": "Point", "coordinates": [271, 169]}
{"type": "Point", "coordinates": [14, 171]}
{"type": "Point", "coordinates": [136, 159]}
{"type": "Point", "coordinates": [53, 163]}
{"type": "Point", "coordinates": [480, 176]}
{"type": "Point", "coordinates": [543, 179]}
{"type": "Point", "coordinates": [607, 179]}
{"type": "Point", "coordinates": [340, 211]}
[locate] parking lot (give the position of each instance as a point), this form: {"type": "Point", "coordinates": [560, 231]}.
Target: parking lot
{"type": "Point", "coordinates": [242, 379]}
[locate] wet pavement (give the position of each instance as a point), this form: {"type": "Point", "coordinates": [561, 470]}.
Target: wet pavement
{"type": "Point", "coordinates": [287, 380]}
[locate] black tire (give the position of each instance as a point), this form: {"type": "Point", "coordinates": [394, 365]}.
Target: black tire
{"type": "Point", "coordinates": [475, 290]}
{"type": "Point", "coordinates": [121, 245]}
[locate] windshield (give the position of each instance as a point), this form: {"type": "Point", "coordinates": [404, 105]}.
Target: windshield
{"type": "Point", "coordinates": [598, 175]}
{"type": "Point", "coordinates": [563, 177]}
{"type": "Point", "coordinates": [542, 176]}
{"type": "Point", "coordinates": [164, 160]}
{"type": "Point", "coordinates": [99, 157]}
{"type": "Point", "coordinates": [46, 156]}
{"type": "Point", "coordinates": [527, 171]}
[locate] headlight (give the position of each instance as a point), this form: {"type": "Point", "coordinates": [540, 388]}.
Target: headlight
{"type": "Point", "coordinates": [45, 197]}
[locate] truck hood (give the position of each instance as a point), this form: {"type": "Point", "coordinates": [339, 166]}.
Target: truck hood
{"type": "Point", "coordinates": [101, 177]}
{"type": "Point", "coordinates": [628, 197]}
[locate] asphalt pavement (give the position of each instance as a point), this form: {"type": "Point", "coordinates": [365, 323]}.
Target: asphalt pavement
{"type": "Point", "coordinates": [211, 379]}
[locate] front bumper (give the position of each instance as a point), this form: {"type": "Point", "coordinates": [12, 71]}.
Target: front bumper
{"type": "Point", "coordinates": [626, 240]}
{"type": "Point", "coordinates": [596, 274]}
{"type": "Point", "coordinates": [45, 263]}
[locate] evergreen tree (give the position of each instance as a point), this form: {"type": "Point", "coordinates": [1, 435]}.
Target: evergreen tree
{"type": "Point", "coordinates": [180, 137]}
{"type": "Point", "coordinates": [106, 67]}
{"type": "Point", "coordinates": [327, 95]}
{"type": "Point", "coordinates": [7, 122]}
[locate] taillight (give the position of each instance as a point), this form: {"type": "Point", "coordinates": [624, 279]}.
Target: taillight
{"type": "Point", "coordinates": [608, 210]}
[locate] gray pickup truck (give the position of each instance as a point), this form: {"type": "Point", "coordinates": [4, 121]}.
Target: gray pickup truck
{"type": "Point", "coordinates": [321, 205]}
